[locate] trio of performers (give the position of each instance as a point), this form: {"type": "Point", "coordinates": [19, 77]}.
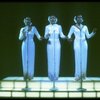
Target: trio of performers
{"type": "Point", "coordinates": [53, 33]}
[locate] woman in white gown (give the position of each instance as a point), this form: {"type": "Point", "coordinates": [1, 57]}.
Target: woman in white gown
{"type": "Point", "coordinates": [80, 32]}
{"type": "Point", "coordinates": [28, 47]}
{"type": "Point", "coordinates": [52, 32]}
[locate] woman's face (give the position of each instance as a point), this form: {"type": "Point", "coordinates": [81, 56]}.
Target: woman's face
{"type": "Point", "coordinates": [53, 19]}
{"type": "Point", "coordinates": [27, 22]}
{"type": "Point", "coordinates": [79, 19]}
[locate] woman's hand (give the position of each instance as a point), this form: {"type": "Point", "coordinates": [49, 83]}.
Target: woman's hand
{"type": "Point", "coordinates": [48, 35]}
{"type": "Point", "coordinates": [41, 38]}
{"type": "Point", "coordinates": [69, 39]}
{"type": "Point", "coordinates": [23, 31]}
{"type": "Point", "coordinates": [94, 30]}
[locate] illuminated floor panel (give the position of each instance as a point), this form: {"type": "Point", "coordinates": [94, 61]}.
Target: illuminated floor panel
{"type": "Point", "coordinates": [67, 87]}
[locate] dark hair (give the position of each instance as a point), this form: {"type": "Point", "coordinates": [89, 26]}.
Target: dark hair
{"type": "Point", "coordinates": [78, 16]}
{"type": "Point", "coordinates": [27, 18]}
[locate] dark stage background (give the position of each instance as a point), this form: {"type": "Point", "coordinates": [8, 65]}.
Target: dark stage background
{"type": "Point", "coordinates": [11, 20]}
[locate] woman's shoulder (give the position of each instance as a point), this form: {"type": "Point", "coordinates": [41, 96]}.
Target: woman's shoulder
{"type": "Point", "coordinates": [34, 27]}
{"type": "Point", "coordinates": [47, 25]}
{"type": "Point", "coordinates": [58, 25]}
{"type": "Point", "coordinates": [22, 28]}
{"type": "Point", "coordinates": [85, 26]}
{"type": "Point", "coordinates": [72, 26]}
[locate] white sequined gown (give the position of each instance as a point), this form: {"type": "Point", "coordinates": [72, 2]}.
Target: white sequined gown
{"type": "Point", "coordinates": [53, 49]}
{"type": "Point", "coordinates": [28, 51]}
{"type": "Point", "coordinates": [80, 48]}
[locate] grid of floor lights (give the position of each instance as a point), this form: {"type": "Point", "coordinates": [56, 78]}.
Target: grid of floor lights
{"type": "Point", "coordinates": [45, 94]}
{"type": "Point", "coordinates": [41, 89]}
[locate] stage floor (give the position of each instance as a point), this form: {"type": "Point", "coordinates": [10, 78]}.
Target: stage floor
{"type": "Point", "coordinates": [38, 87]}
{"type": "Point", "coordinates": [13, 78]}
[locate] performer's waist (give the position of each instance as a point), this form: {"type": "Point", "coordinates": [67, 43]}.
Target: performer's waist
{"type": "Point", "coordinates": [53, 39]}
{"type": "Point", "coordinates": [29, 40]}
{"type": "Point", "coordinates": [80, 38]}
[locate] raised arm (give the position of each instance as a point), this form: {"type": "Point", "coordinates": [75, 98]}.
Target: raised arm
{"type": "Point", "coordinates": [91, 34]}
{"type": "Point", "coordinates": [22, 34]}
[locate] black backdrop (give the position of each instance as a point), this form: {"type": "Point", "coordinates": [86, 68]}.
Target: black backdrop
{"type": "Point", "coordinates": [11, 20]}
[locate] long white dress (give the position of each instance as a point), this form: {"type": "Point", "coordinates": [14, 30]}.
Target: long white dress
{"type": "Point", "coordinates": [53, 49]}
{"type": "Point", "coordinates": [80, 48]}
{"type": "Point", "coordinates": [28, 51]}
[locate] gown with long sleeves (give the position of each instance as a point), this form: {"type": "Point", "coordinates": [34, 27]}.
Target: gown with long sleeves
{"type": "Point", "coordinates": [53, 49]}
{"type": "Point", "coordinates": [28, 50]}
{"type": "Point", "coordinates": [80, 48]}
